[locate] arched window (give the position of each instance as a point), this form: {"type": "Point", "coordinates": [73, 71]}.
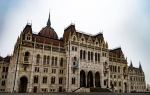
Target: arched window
{"type": "Point", "coordinates": [115, 69]}
{"type": "Point", "coordinates": [124, 69]}
{"type": "Point", "coordinates": [60, 80]}
{"type": "Point", "coordinates": [119, 69]}
{"type": "Point", "coordinates": [88, 55]}
{"type": "Point", "coordinates": [38, 59]}
{"type": "Point", "coordinates": [98, 57]}
{"type": "Point", "coordinates": [61, 62]}
{"type": "Point", "coordinates": [81, 54]}
{"type": "Point", "coordinates": [26, 57]}
{"type": "Point", "coordinates": [45, 79]}
{"type": "Point", "coordinates": [55, 61]}
{"type": "Point", "coordinates": [44, 60]}
{"type": "Point", "coordinates": [52, 80]}
{"type": "Point", "coordinates": [28, 37]}
{"type": "Point", "coordinates": [35, 79]}
{"type": "Point", "coordinates": [75, 58]}
{"type": "Point", "coordinates": [48, 59]}
{"type": "Point", "coordinates": [110, 68]}
{"type": "Point", "coordinates": [95, 56]}
{"type": "Point", "coordinates": [84, 54]}
{"type": "Point", "coordinates": [91, 56]}
{"type": "Point", "coordinates": [73, 80]}
{"type": "Point", "coordinates": [74, 38]}
{"type": "Point", "coordinates": [52, 60]}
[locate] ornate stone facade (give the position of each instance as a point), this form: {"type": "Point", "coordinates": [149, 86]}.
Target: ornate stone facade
{"type": "Point", "coordinates": [136, 79]}
{"type": "Point", "coordinates": [76, 62]}
{"type": "Point", "coordinates": [118, 71]}
{"type": "Point", "coordinates": [4, 66]}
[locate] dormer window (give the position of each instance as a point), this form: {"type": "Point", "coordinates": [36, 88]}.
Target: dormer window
{"type": "Point", "coordinates": [74, 38]}
{"type": "Point", "coordinates": [82, 39]}
{"type": "Point", "coordinates": [28, 37]}
{"type": "Point", "coordinates": [96, 43]}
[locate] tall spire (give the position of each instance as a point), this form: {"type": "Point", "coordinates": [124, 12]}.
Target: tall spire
{"type": "Point", "coordinates": [131, 64]}
{"type": "Point", "coordinates": [49, 22]}
{"type": "Point", "coordinates": [140, 67]}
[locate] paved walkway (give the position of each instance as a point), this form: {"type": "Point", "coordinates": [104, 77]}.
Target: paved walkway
{"type": "Point", "coordinates": [94, 93]}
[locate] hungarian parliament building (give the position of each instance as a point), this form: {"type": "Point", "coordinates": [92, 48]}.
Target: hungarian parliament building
{"type": "Point", "coordinates": [76, 62]}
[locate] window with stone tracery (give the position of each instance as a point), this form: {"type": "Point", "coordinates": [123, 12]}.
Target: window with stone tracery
{"type": "Point", "coordinates": [26, 57]}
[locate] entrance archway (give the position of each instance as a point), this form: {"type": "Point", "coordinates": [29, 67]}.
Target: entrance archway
{"type": "Point", "coordinates": [97, 79]}
{"type": "Point", "coordinates": [23, 84]}
{"type": "Point", "coordinates": [82, 79]}
{"type": "Point", "coordinates": [90, 79]}
{"type": "Point", "coordinates": [125, 87]}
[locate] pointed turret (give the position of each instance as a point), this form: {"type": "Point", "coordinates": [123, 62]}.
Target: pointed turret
{"type": "Point", "coordinates": [48, 31]}
{"type": "Point", "coordinates": [140, 67]}
{"type": "Point", "coordinates": [131, 65]}
{"type": "Point", "coordinates": [49, 22]}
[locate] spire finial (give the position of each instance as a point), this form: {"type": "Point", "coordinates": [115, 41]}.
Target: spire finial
{"type": "Point", "coordinates": [131, 65]}
{"type": "Point", "coordinates": [140, 67]}
{"type": "Point", "coordinates": [49, 22]}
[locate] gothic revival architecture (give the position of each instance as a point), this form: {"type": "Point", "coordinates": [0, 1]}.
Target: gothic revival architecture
{"type": "Point", "coordinates": [137, 79]}
{"type": "Point", "coordinates": [118, 70]}
{"type": "Point", "coordinates": [77, 62]}
{"type": "Point", "coordinates": [4, 66]}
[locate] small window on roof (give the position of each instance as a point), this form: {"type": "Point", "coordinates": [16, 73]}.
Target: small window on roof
{"type": "Point", "coordinates": [82, 39]}
{"type": "Point", "coordinates": [74, 38]}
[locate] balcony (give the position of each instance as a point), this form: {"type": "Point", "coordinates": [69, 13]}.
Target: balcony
{"type": "Point", "coordinates": [26, 63]}
{"type": "Point", "coordinates": [75, 65]}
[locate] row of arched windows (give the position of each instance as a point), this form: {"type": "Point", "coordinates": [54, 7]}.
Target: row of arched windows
{"type": "Point", "coordinates": [45, 79]}
{"type": "Point", "coordinates": [90, 55]}
{"type": "Point", "coordinates": [114, 68]}
{"type": "Point", "coordinates": [137, 79]}
{"type": "Point", "coordinates": [46, 59]}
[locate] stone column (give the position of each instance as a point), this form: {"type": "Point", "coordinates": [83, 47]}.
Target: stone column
{"type": "Point", "coordinates": [94, 80]}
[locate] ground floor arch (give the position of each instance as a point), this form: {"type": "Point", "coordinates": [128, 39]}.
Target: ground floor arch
{"type": "Point", "coordinates": [82, 79]}
{"type": "Point", "coordinates": [97, 79]}
{"type": "Point", "coordinates": [125, 87]}
{"type": "Point", "coordinates": [90, 79]}
{"type": "Point", "coordinates": [23, 84]}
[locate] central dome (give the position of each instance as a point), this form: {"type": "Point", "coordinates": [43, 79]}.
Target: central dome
{"type": "Point", "coordinates": [48, 31]}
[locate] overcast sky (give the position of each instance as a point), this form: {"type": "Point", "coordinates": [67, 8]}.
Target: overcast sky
{"type": "Point", "coordinates": [124, 23]}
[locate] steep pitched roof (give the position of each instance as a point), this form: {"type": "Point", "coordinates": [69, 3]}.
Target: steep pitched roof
{"type": "Point", "coordinates": [46, 40]}
{"type": "Point", "coordinates": [1, 58]}
{"type": "Point", "coordinates": [117, 52]}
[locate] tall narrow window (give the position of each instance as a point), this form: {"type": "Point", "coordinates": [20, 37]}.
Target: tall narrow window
{"type": "Point", "coordinates": [4, 69]}
{"type": "Point", "coordinates": [53, 61]}
{"type": "Point", "coordinates": [44, 60]}
{"type": "Point", "coordinates": [119, 69]}
{"type": "Point", "coordinates": [48, 59]}
{"type": "Point", "coordinates": [95, 56]}
{"type": "Point", "coordinates": [53, 80]}
{"type": "Point", "coordinates": [84, 54]}
{"type": "Point", "coordinates": [38, 59]}
{"type": "Point", "coordinates": [3, 83]}
{"type": "Point", "coordinates": [61, 62]}
{"type": "Point", "coordinates": [98, 57]}
{"type": "Point", "coordinates": [60, 80]}
{"type": "Point", "coordinates": [35, 79]}
{"type": "Point", "coordinates": [81, 54]}
{"type": "Point", "coordinates": [26, 57]}
{"type": "Point", "coordinates": [88, 55]}
{"type": "Point", "coordinates": [73, 80]}
{"type": "Point", "coordinates": [91, 56]}
{"type": "Point", "coordinates": [36, 69]}
{"type": "Point", "coordinates": [45, 80]}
